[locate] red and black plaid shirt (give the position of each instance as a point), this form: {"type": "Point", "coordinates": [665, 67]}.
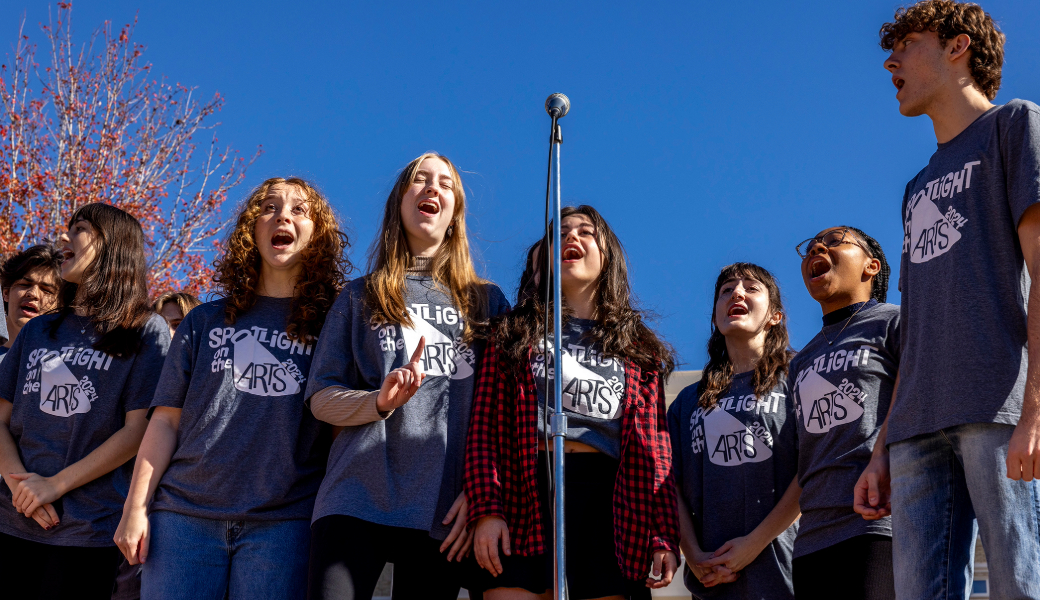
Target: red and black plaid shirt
{"type": "Point", "coordinates": [502, 463]}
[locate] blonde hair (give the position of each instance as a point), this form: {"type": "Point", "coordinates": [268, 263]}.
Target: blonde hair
{"type": "Point", "coordinates": [184, 301]}
{"type": "Point", "coordinates": [451, 267]}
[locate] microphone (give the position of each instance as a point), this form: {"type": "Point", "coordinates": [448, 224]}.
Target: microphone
{"type": "Point", "coordinates": [557, 105]}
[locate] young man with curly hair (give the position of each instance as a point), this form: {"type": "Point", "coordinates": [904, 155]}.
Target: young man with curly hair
{"type": "Point", "coordinates": [960, 451]}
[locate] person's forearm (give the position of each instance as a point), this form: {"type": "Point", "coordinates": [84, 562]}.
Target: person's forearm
{"type": "Point", "coordinates": [110, 455]}
{"type": "Point", "coordinates": [781, 517]}
{"type": "Point", "coordinates": [10, 460]}
{"type": "Point", "coordinates": [880, 444]}
{"type": "Point", "coordinates": [157, 448]}
{"type": "Point", "coordinates": [346, 408]}
{"type": "Point", "coordinates": [687, 534]}
{"type": "Point", "coordinates": [1031, 398]}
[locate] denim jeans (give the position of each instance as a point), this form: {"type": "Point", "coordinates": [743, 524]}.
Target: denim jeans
{"type": "Point", "coordinates": [191, 558]}
{"type": "Point", "coordinates": [947, 487]}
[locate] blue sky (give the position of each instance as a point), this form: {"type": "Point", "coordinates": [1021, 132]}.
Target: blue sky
{"type": "Point", "coordinates": [705, 134]}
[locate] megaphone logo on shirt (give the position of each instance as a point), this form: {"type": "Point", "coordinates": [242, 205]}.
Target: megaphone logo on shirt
{"type": "Point", "coordinates": [257, 371]}
{"type": "Point", "coordinates": [61, 394]}
{"type": "Point", "coordinates": [442, 357]}
{"type": "Point", "coordinates": [932, 233]}
{"type": "Point", "coordinates": [584, 391]}
{"type": "Point", "coordinates": [730, 443]}
{"type": "Point", "coordinates": [823, 405]}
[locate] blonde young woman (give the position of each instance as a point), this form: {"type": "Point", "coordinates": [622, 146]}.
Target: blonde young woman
{"type": "Point", "coordinates": [224, 486]}
{"type": "Point", "coordinates": [395, 368]}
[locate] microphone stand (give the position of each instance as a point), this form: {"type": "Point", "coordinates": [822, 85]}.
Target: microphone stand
{"type": "Point", "coordinates": [558, 423]}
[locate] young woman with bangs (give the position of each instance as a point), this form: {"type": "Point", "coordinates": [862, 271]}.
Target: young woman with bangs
{"type": "Point", "coordinates": [735, 450]}
{"type": "Point", "coordinates": [224, 485]}
{"type": "Point", "coordinates": [842, 383]}
{"type": "Point", "coordinates": [617, 449]}
{"type": "Point", "coordinates": [395, 369]}
{"type": "Point", "coordinates": [74, 391]}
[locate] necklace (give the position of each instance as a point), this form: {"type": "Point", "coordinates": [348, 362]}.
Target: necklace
{"type": "Point", "coordinates": [830, 342]}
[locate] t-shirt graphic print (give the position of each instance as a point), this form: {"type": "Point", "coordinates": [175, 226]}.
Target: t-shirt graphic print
{"type": "Point", "coordinates": [927, 231]}
{"type": "Point", "coordinates": [443, 356]}
{"type": "Point", "coordinates": [822, 405]}
{"type": "Point", "coordinates": [62, 394]}
{"type": "Point", "coordinates": [729, 441]}
{"type": "Point", "coordinates": [255, 369]}
{"type": "Point", "coordinates": [593, 388]}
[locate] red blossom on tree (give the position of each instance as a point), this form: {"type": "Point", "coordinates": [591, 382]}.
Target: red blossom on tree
{"type": "Point", "coordinates": [95, 126]}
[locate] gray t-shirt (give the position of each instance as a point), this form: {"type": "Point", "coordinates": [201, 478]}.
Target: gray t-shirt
{"type": "Point", "coordinates": [593, 390]}
{"type": "Point", "coordinates": [68, 399]}
{"type": "Point", "coordinates": [963, 278]}
{"type": "Point", "coordinates": [841, 393]}
{"type": "Point", "coordinates": [732, 465]}
{"type": "Point", "coordinates": [247, 447]}
{"type": "Point", "coordinates": [406, 470]}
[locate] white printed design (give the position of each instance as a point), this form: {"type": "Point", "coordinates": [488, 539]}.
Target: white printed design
{"type": "Point", "coordinates": [584, 391]}
{"type": "Point", "coordinates": [254, 368]}
{"type": "Point", "coordinates": [821, 405]}
{"type": "Point", "coordinates": [61, 393]}
{"type": "Point", "coordinates": [727, 440]}
{"type": "Point", "coordinates": [443, 356]}
{"type": "Point", "coordinates": [927, 231]}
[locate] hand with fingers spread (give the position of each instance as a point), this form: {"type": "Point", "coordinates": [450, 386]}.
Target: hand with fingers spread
{"type": "Point", "coordinates": [872, 496]}
{"type": "Point", "coordinates": [401, 384]}
{"type": "Point", "coordinates": [459, 539]}
{"type": "Point", "coordinates": [33, 492]}
{"type": "Point", "coordinates": [488, 532]}
{"type": "Point", "coordinates": [665, 564]}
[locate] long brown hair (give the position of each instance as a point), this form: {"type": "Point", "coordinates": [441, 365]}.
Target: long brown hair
{"type": "Point", "coordinates": [325, 265]}
{"type": "Point", "coordinates": [718, 372]}
{"type": "Point", "coordinates": [620, 328]}
{"type": "Point", "coordinates": [451, 267]}
{"type": "Point", "coordinates": [114, 290]}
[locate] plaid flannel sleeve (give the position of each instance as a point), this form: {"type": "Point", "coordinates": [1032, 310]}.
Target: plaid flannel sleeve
{"type": "Point", "coordinates": [664, 532]}
{"type": "Point", "coordinates": [482, 481]}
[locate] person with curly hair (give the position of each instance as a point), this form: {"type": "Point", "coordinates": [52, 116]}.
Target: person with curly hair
{"type": "Point", "coordinates": [620, 508]}
{"type": "Point", "coordinates": [960, 450]}
{"type": "Point", "coordinates": [735, 448]}
{"type": "Point", "coordinates": [74, 394]}
{"type": "Point", "coordinates": [225, 482]}
{"type": "Point", "coordinates": [841, 384]}
{"type": "Point", "coordinates": [395, 369]}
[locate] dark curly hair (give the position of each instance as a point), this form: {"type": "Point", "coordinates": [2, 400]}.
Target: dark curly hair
{"type": "Point", "coordinates": [772, 368]}
{"type": "Point", "coordinates": [325, 265]}
{"type": "Point", "coordinates": [950, 19]}
{"type": "Point", "coordinates": [620, 328]}
{"type": "Point", "coordinates": [40, 256]}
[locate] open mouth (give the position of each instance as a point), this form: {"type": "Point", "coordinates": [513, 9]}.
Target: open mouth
{"type": "Point", "coordinates": [899, 82]}
{"type": "Point", "coordinates": [737, 310]}
{"type": "Point", "coordinates": [29, 309]}
{"type": "Point", "coordinates": [429, 207]}
{"type": "Point", "coordinates": [282, 240]}
{"type": "Point", "coordinates": [572, 252]}
{"type": "Point", "coordinates": [818, 268]}
{"type": "Point", "coordinates": [67, 254]}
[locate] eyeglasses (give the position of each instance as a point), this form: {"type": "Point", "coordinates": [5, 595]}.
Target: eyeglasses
{"type": "Point", "coordinates": [835, 237]}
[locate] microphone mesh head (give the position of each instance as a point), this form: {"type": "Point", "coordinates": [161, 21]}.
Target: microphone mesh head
{"type": "Point", "coordinates": [559, 102]}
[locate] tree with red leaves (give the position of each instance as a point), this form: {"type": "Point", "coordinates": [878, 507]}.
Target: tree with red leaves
{"type": "Point", "coordinates": [96, 126]}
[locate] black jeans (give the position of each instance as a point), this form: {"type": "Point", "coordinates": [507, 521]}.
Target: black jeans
{"type": "Point", "coordinates": [348, 555]}
{"type": "Point", "coordinates": [859, 568]}
{"type": "Point", "coordinates": [40, 571]}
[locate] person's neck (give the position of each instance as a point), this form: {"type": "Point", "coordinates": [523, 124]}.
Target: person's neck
{"type": "Point", "coordinates": [424, 248]}
{"type": "Point", "coordinates": [840, 301]}
{"type": "Point", "coordinates": [277, 283]}
{"type": "Point", "coordinates": [744, 353]}
{"type": "Point", "coordinates": [12, 332]}
{"type": "Point", "coordinates": [581, 300]}
{"type": "Point", "coordinates": [955, 110]}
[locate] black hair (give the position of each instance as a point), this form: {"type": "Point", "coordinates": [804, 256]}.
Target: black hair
{"type": "Point", "coordinates": [40, 256]}
{"type": "Point", "coordinates": [879, 286]}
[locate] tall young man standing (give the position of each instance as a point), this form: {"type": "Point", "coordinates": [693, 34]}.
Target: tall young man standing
{"type": "Point", "coordinates": [963, 434]}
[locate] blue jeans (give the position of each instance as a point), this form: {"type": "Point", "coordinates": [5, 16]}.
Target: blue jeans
{"type": "Point", "coordinates": [947, 487]}
{"type": "Point", "coordinates": [191, 558]}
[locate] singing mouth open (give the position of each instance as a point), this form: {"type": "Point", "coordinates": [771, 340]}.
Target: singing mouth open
{"type": "Point", "coordinates": [30, 308]}
{"type": "Point", "coordinates": [898, 82]}
{"type": "Point", "coordinates": [819, 267]}
{"type": "Point", "coordinates": [429, 207]}
{"type": "Point", "coordinates": [737, 310]}
{"type": "Point", "coordinates": [282, 240]}
{"type": "Point", "coordinates": [572, 253]}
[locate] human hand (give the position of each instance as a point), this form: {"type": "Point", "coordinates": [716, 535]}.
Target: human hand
{"type": "Point", "coordinates": [401, 384]}
{"type": "Point", "coordinates": [46, 516]}
{"type": "Point", "coordinates": [665, 564]}
{"type": "Point", "coordinates": [462, 538]}
{"type": "Point", "coordinates": [872, 496]}
{"type": "Point", "coordinates": [1023, 458]}
{"type": "Point", "coordinates": [735, 554]}
{"type": "Point", "coordinates": [709, 576]}
{"type": "Point", "coordinates": [488, 532]}
{"type": "Point", "coordinates": [33, 491]}
{"type": "Point", "coordinates": [132, 535]}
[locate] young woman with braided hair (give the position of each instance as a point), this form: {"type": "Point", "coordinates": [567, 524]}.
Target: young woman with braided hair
{"type": "Point", "coordinates": [842, 383]}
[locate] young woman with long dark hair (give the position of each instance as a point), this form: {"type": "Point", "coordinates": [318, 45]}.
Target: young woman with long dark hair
{"type": "Point", "coordinates": [395, 368]}
{"type": "Point", "coordinates": [232, 456]}
{"type": "Point", "coordinates": [842, 384]}
{"type": "Point", "coordinates": [621, 513]}
{"type": "Point", "coordinates": [735, 449]}
{"type": "Point", "coordinates": [74, 391]}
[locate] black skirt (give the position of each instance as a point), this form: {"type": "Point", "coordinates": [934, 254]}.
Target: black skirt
{"type": "Point", "coordinates": [592, 563]}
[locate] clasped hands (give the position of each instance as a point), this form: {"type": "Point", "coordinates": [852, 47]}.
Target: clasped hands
{"type": "Point", "coordinates": [33, 495]}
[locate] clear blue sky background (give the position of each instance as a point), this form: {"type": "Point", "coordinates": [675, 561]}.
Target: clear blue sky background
{"type": "Point", "coordinates": [706, 133]}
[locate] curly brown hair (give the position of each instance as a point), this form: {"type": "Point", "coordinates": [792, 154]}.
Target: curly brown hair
{"type": "Point", "coordinates": [325, 264]}
{"type": "Point", "coordinates": [949, 19]}
{"type": "Point", "coordinates": [772, 368]}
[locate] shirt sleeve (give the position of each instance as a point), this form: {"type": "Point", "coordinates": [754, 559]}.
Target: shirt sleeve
{"type": "Point", "coordinates": [9, 370]}
{"type": "Point", "coordinates": [664, 531]}
{"type": "Point", "coordinates": [333, 363]}
{"type": "Point", "coordinates": [346, 408]}
{"type": "Point", "coordinates": [1020, 150]}
{"type": "Point", "coordinates": [675, 432]}
{"type": "Point", "coordinates": [176, 370]}
{"type": "Point", "coordinates": [148, 364]}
